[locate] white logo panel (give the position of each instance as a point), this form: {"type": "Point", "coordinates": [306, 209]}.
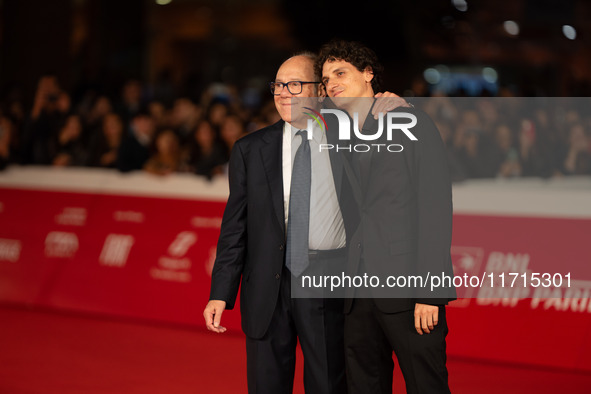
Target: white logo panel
{"type": "Point", "coordinates": [116, 250]}
{"type": "Point", "coordinates": [10, 250]}
{"type": "Point", "coordinates": [61, 244]}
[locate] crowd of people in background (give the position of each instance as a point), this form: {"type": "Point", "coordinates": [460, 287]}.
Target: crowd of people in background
{"type": "Point", "coordinates": [485, 137]}
{"type": "Point", "coordinates": [133, 132]}
{"type": "Point", "coordinates": [492, 137]}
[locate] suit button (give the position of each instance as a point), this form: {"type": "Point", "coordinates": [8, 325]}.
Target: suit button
{"type": "Point", "coordinates": [277, 276]}
{"type": "Point", "coordinates": [281, 247]}
{"type": "Point", "coordinates": [359, 245]}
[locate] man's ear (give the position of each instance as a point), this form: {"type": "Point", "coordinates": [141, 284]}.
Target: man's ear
{"type": "Point", "coordinates": [321, 90]}
{"type": "Point", "coordinates": [368, 74]}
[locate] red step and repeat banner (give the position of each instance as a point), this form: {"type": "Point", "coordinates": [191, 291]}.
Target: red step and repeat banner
{"type": "Point", "coordinates": [546, 324]}
{"type": "Point", "coordinates": [139, 246]}
{"type": "Point", "coordinates": [105, 250]}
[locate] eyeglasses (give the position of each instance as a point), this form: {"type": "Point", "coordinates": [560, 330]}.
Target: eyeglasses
{"type": "Point", "coordinates": [293, 87]}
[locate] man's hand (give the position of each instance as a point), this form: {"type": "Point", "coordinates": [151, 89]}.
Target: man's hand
{"type": "Point", "coordinates": [388, 102]}
{"type": "Point", "coordinates": [426, 317]}
{"type": "Point", "coordinates": [213, 315]}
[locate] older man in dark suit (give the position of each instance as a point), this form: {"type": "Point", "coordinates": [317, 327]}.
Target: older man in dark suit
{"type": "Point", "coordinates": [261, 243]}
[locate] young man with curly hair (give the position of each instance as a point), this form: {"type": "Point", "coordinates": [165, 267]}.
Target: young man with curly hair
{"type": "Point", "coordinates": [404, 226]}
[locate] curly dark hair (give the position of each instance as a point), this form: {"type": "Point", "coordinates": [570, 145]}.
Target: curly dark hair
{"type": "Point", "coordinates": [352, 52]}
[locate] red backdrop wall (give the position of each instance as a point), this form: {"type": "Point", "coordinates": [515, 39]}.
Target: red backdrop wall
{"type": "Point", "coordinates": [149, 255]}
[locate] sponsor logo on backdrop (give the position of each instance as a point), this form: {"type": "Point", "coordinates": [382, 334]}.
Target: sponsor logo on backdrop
{"type": "Point", "coordinates": [61, 244]}
{"type": "Point", "coordinates": [497, 265]}
{"type": "Point", "coordinates": [170, 263]}
{"type": "Point", "coordinates": [72, 216]}
{"type": "Point", "coordinates": [10, 250]}
{"type": "Point", "coordinates": [201, 222]}
{"type": "Point", "coordinates": [573, 298]}
{"type": "Point", "coordinates": [129, 216]}
{"type": "Point", "coordinates": [466, 260]}
{"type": "Point", "coordinates": [116, 250]}
{"type": "Point", "coordinates": [182, 243]}
{"type": "Point", "coordinates": [508, 279]}
{"type": "Point", "coordinates": [176, 267]}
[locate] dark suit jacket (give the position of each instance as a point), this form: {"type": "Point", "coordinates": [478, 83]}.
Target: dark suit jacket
{"type": "Point", "coordinates": [251, 246]}
{"type": "Point", "coordinates": [405, 213]}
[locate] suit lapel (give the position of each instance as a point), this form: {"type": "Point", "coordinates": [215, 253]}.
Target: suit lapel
{"type": "Point", "coordinates": [271, 153]}
{"type": "Point", "coordinates": [341, 162]}
{"type": "Point", "coordinates": [370, 126]}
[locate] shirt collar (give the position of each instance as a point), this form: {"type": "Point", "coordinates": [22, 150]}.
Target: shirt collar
{"type": "Point", "coordinates": [317, 132]}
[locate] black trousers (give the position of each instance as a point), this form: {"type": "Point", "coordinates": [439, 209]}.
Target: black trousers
{"type": "Point", "coordinates": [370, 338]}
{"type": "Point", "coordinates": [319, 325]}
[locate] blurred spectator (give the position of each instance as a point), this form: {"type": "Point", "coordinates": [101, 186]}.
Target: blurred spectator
{"type": "Point", "coordinates": [577, 160]}
{"type": "Point", "coordinates": [100, 108]}
{"type": "Point", "coordinates": [505, 158]}
{"type": "Point", "coordinates": [456, 169]}
{"type": "Point", "coordinates": [489, 114]}
{"type": "Point", "coordinates": [16, 111]}
{"type": "Point", "coordinates": [50, 108]}
{"type": "Point", "coordinates": [131, 101]}
{"type": "Point", "coordinates": [471, 145]}
{"type": "Point", "coordinates": [206, 153]}
{"type": "Point", "coordinates": [469, 154]}
{"type": "Point", "coordinates": [185, 115]}
{"type": "Point", "coordinates": [532, 160]}
{"type": "Point", "coordinates": [63, 103]}
{"type": "Point", "coordinates": [442, 109]}
{"type": "Point", "coordinates": [164, 90]}
{"type": "Point", "coordinates": [231, 130]}
{"type": "Point", "coordinates": [158, 112]}
{"type": "Point", "coordinates": [269, 113]}
{"type": "Point", "coordinates": [485, 137]}
{"type": "Point", "coordinates": [104, 146]}
{"type": "Point", "coordinates": [167, 157]}
{"type": "Point", "coordinates": [135, 147]}
{"type": "Point", "coordinates": [67, 149]}
{"type": "Point", "coordinates": [5, 141]}
{"type": "Point", "coordinates": [217, 113]}
{"type": "Point", "coordinates": [46, 96]}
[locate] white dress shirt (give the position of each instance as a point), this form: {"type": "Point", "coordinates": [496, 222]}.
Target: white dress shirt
{"type": "Point", "coordinates": [327, 230]}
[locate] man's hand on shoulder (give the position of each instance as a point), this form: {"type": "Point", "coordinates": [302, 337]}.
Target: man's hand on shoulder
{"type": "Point", "coordinates": [388, 101]}
{"type": "Point", "coordinates": [426, 318]}
{"type": "Point", "coordinates": [213, 315]}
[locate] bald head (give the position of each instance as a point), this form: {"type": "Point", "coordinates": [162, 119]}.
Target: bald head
{"type": "Point", "coordinates": [303, 62]}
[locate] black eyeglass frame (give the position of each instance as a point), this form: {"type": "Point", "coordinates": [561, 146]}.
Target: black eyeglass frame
{"type": "Point", "coordinates": [286, 85]}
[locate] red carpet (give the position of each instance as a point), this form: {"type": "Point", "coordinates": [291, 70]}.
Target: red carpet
{"type": "Point", "coordinates": [46, 352]}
